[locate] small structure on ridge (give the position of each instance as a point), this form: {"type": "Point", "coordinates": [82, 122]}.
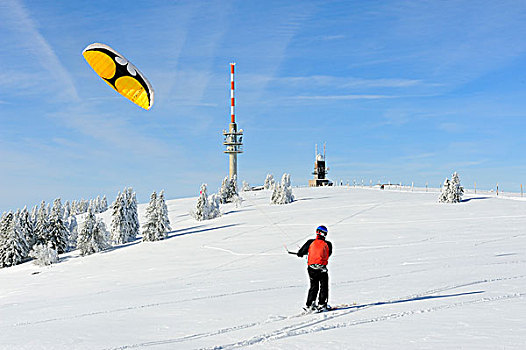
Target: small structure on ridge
{"type": "Point", "coordinates": [320, 170]}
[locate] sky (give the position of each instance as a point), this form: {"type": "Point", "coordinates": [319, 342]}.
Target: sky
{"type": "Point", "coordinates": [399, 92]}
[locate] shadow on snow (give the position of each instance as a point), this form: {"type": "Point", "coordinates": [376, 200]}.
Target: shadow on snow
{"type": "Point", "coordinates": [474, 198]}
{"type": "Point", "coordinates": [196, 229]}
{"type": "Point", "coordinates": [171, 234]}
{"type": "Point", "coordinates": [379, 303]}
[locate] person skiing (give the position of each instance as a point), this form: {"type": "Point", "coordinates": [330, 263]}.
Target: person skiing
{"type": "Point", "coordinates": [318, 250]}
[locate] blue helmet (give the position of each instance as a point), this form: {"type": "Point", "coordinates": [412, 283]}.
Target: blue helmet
{"type": "Point", "coordinates": [322, 230]}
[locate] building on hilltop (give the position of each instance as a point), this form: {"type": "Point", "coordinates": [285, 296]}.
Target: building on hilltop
{"type": "Point", "coordinates": [320, 171]}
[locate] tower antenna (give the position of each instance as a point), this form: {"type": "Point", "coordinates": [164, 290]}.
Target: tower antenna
{"type": "Point", "coordinates": [233, 139]}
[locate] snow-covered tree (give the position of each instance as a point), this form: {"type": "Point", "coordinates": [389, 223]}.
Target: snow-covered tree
{"type": "Point", "coordinates": [149, 229]}
{"type": "Point", "coordinates": [233, 189]}
{"type": "Point", "coordinates": [282, 193]}
{"type": "Point", "coordinates": [93, 236]}
{"type": "Point", "coordinates": [132, 215]}
{"type": "Point", "coordinates": [157, 223]}
{"type": "Point", "coordinates": [73, 208]}
{"type": "Point", "coordinates": [98, 203]}
{"type": "Point", "coordinates": [125, 218]}
{"type": "Point", "coordinates": [201, 210]}
{"type": "Point", "coordinates": [58, 233]}
{"type": "Point", "coordinates": [13, 245]}
{"type": "Point", "coordinates": [164, 222]}
{"type": "Point", "coordinates": [245, 187]}
{"type": "Point", "coordinates": [71, 224]}
{"type": "Point", "coordinates": [223, 190]}
{"type": "Point", "coordinates": [104, 204]}
{"type": "Point", "coordinates": [452, 191]}
{"type": "Point", "coordinates": [214, 210]}
{"type": "Point", "coordinates": [27, 227]}
{"type": "Point", "coordinates": [228, 191]}
{"type": "Point", "coordinates": [269, 182]}
{"type": "Point", "coordinates": [207, 207]}
{"type": "Point", "coordinates": [118, 227]}
{"type": "Point", "coordinates": [43, 255]}
{"type": "Point", "coordinates": [444, 193]}
{"type": "Point", "coordinates": [457, 189]}
{"type": "Point", "coordinates": [34, 215]}
{"type": "Point", "coordinates": [67, 210]}
{"type": "Point", "coordinates": [42, 225]}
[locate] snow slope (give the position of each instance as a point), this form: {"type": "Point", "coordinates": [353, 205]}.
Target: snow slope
{"type": "Point", "coordinates": [424, 275]}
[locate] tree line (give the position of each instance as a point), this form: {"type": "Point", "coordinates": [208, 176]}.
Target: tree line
{"type": "Point", "coordinates": [51, 230]}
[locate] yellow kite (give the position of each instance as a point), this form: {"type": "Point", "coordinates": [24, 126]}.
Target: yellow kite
{"type": "Point", "coordinates": [120, 74]}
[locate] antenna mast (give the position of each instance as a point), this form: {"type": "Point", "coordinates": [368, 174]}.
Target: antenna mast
{"type": "Point", "coordinates": [233, 139]}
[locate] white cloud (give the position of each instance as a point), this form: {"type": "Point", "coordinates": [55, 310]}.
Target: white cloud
{"type": "Point", "coordinates": [16, 17]}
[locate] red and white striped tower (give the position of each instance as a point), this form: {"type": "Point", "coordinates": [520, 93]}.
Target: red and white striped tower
{"type": "Point", "coordinates": [232, 99]}
{"type": "Point", "coordinates": [233, 139]}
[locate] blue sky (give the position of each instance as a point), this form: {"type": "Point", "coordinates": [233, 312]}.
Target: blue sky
{"type": "Point", "coordinates": [400, 91]}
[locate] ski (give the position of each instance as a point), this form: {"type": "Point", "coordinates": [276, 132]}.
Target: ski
{"type": "Point", "coordinates": [340, 306]}
{"type": "Point", "coordinates": [307, 311]}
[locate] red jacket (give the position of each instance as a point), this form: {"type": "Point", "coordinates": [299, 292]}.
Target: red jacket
{"type": "Point", "coordinates": [318, 249]}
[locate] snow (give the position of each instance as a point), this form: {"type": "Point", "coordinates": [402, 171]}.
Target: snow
{"type": "Point", "coordinates": [423, 275]}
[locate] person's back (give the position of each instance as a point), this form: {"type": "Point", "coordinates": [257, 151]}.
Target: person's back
{"type": "Point", "coordinates": [318, 250]}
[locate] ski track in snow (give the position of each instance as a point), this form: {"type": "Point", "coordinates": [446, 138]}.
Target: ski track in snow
{"type": "Point", "coordinates": [131, 308]}
{"type": "Point", "coordinates": [314, 326]}
{"type": "Point", "coordinates": [314, 320]}
{"type": "Point", "coordinates": [241, 254]}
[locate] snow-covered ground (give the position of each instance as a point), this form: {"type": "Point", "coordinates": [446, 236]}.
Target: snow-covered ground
{"type": "Point", "coordinates": [422, 274]}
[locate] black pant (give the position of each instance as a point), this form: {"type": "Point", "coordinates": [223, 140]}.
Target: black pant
{"type": "Point", "coordinates": [318, 278]}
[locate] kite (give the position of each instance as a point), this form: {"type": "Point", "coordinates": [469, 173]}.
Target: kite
{"type": "Point", "coordinates": [120, 74]}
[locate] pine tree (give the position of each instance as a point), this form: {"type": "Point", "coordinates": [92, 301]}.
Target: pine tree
{"type": "Point", "coordinates": [93, 236]}
{"type": "Point", "coordinates": [444, 193]}
{"type": "Point", "coordinates": [207, 207]}
{"type": "Point", "coordinates": [43, 255]}
{"type": "Point", "coordinates": [42, 225]}
{"type": "Point", "coordinates": [201, 210]}
{"type": "Point", "coordinates": [73, 208]}
{"type": "Point", "coordinates": [232, 189]}
{"type": "Point", "coordinates": [104, 204]}
{"type": "Point", "coordinates": [269, 182]}
{"type": "Point", "coordinates": [34, 214]}
{"type": "Point", "coordinates": [149, 232]}
{"type": "Point", "coordinates": [456, 189]}
{"type": "Point", "coordinates": [100, 236]}
{"type": "Point", "coordinates": [223, 190]}
{"type": "Point", "coordinates": [27, 227]}
{"type": "Point", "coordinates": [276, 193]}
{"type": "Point", "coordinates": [157, 223]}
{"type": "Point", "coordinates": [228, 191]}
{"type": "Point", "coordinates": [163, 226]}
{"type": "Point", "coordinates": [71, 224]}
{"type": "Point", "coordinates": [132, 216]}
{"type": "Point", "coordinates": [118, 221]}
{"type": "Point", "coordinates": [214, 210]}
{"type": "Point", "coordinates": [246, 187]}
{"type": "Point", "coordinates": [282, 193]}
{"type": "Point", "coordinates": [451, 192]}
{"type": "Point", "coordinates": [67, 210]}
{"type": "Point", "coordinates": [57, 231]}
{"type": "Point", "coordinates": [13, 245]}
{"type": "Point", "coordinates": [98, 207]}
{"type": "Point", "coordinates": [287, 196]}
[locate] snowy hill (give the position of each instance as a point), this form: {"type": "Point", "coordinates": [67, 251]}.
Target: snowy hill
{"type": "Point", "coordinates": [422, 275]}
